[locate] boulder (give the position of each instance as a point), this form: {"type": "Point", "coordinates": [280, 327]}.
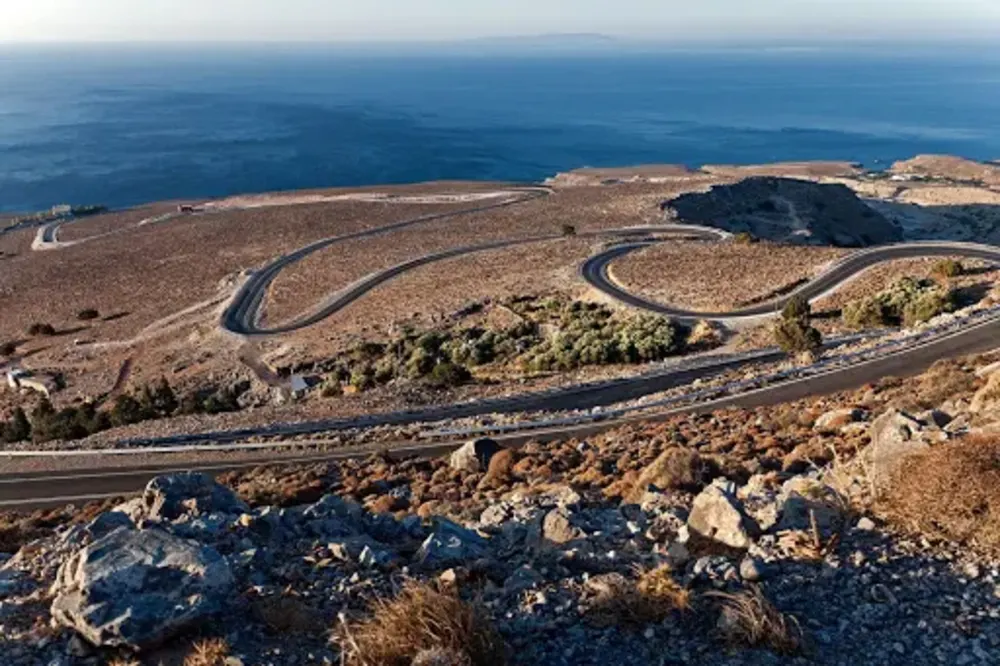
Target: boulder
{"type": "Point", "coordinates": [474, 456]}
{"type": "Point", "coordinates": [894, 436]}
{"type": "Point", "coordinates": [987, 399]}
{"type": "Point", "coordinates": [451, 545]}
{"type": "Point", "coordinates": [803, 499]}
{"type": "Point", "coordinates": [170, 497]}
{"type": "Point", "coordinates": [674, 469]}
{"type": "Point", "coordinates": [557, 528]}
{"type": "Point", "coordinates": [136, 589]}
{"type": "Point", "coordinates": [716, 514]}
{"type": "Point", "coordinates": [833, 421]}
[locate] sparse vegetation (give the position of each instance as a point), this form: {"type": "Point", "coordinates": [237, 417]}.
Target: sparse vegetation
{"type": "Point", "coordinates": [745, 238]}
{"type": "Point", "coordinates": [8, 349]}
{"type": "Point", "coordinates": [211, 652]}
{"type": "Point", "coordinates": [419, 620]}
{"type": "Point", "coordinates": [18, 429]}
{"type": "Point", "coordinates": [585, 334]}
{"type": "Point", "coordinates": [568, 230]}
{"type": "Point", "coordinates": [794, 333]}
{"type": "Point", "coordinates": [151, 402]}
{"type": "Point", "coordinates": [907, 302]}
{"type": "Point", "coordinates": [749, 619]}
{"type": "Point", "coordinates": [948, 268]}
{"type": "Point", "coordinates": [88, 315]}
{"type": "Point", "coordinates": [651, 598]}
{"type": "Point", "coordinates": [39, 328]}
{"type": "Point", "coordinates": [952, 492]}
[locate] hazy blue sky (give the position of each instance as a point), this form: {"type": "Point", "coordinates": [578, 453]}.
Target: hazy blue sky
{"type": "Point", "coordinates": [281, 20]}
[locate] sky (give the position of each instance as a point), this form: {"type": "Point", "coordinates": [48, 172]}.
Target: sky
{"type": "Point", "coordinates": [436, 20]}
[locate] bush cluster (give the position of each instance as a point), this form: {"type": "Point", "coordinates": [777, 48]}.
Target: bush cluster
{"type": "Point", "coordinates": [587, 334]}
{"type": "Point", "coordinates": [591, 334]}
{"type": "Point", "coordinates": [46, 423]}
{"type": "Point", "coordinates": [907, 302]}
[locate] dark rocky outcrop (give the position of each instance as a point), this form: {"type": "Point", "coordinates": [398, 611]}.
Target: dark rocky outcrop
{"type": "Point", "coordinates": [787, 210]}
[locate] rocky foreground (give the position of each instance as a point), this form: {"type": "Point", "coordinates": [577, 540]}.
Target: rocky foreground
{"type": "Point", "coordinates": [806, 533]}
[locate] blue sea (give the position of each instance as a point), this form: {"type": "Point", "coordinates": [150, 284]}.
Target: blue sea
{"type": "Point", "coordinates": [126, 125]}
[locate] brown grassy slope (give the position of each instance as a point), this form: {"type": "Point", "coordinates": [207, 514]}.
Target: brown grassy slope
{"type": "Point", "coordinates": [951, 492]}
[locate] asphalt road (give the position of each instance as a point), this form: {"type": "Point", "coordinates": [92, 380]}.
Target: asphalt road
{"type": "Point", "coordinates": [596, 272]}
{"type": "Point", "coordinates": [33, 491]}
{"type": "Point", "coordinates": [30, 491]}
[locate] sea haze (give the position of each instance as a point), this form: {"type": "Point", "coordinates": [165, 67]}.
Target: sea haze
{"type": "Point", "coordinates": [124, 125]}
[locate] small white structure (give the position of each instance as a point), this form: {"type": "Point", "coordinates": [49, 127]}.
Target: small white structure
{"type": "Point", "coordinates": [22, 380]}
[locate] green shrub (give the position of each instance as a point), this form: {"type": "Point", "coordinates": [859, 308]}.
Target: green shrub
{"type": "Point", "coordinates": [744, 238]}
{"type": "Point", "coordinates": [18, 429]}
{"type": "Point", "coordinates": [568, 230]}
{"type": "Point", "coordinates": [796, 335]}
{"type": "Point", "coordinates": [88, 315]}
{"type": "Point", "coordinates": [797, 307]}
{"type": "Point", "coordinates": [794, 332]}
{"type": "Point", "coordinates": [128, 410]}
{"type": "Point", "coordinates": [363, 378]}
{"type": "Point", "coordinates": [927, 306]}
{"type": "Point", "coordinates": [447, 374]}
{"type": "Point", "coordinates": [907, 302]}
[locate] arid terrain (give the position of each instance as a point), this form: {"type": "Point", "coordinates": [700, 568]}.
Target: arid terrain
{"type": "Point", "coordinates": [158, 279]}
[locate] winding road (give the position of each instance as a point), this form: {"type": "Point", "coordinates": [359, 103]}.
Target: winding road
{"type": "Point", "coordinates": [596, 271]}
{"type": "Point", "coordinates": [243, 313]}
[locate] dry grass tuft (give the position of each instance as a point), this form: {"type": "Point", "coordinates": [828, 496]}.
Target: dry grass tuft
{"type": "Point", "coordinates": [209, 652]}
{"type": "Point", "coordinates": [422, 622]}
{"type": "Point", "coordinates": [749, 619]}
{"type": "Point", "coordinates": [808, 545]}
{"type": "Point", "coordinates": [651, 599]}
{"type": "Point", "coordinates": [124, 661]}
{"type": "Point", "coordinates": [952, 492]}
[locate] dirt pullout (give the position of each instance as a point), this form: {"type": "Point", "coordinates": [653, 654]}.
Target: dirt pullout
{"type": "Point", "coordinates": [718, 276]}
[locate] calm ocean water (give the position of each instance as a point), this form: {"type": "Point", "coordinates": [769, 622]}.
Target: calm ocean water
{"type": "Point", "coordinates": [126, 126]}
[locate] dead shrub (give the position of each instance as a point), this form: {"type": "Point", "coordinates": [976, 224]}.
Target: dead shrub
{"type": "Point", "coordinates": [951, 492]}
{"type": "Point", "coordinates": [418, 621]}
{"type": "Point", "coordinates": [649, 599]}
{"type": "Point", "coordinates": [209, 652]}
{"type": "Point", "coordinates": [675, 469]}
{"type": "Point", "coordinates": [749, 619]}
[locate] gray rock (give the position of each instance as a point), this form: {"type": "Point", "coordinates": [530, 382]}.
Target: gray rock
{"type": "Point", "coordinates": [138, 588]}
{"type": "Point", "coordinates": [170, 497]}
{"type": "Point", "coordinates": [751, 570]}
{"type": "Point", "coordinates": [894, 436]}
{"type": "Point", "coordinates": [834, 420]}
{"type": "Point", "coordinates": [865, 524]}
{"type": "Point", "coordinates": [108, 522]}
{"type": "Point", "coordinates": [450, 545]}
{"type": "Point", "coordinates": [718, 515]}
{"type": "Point", "coordinates": [557, 528]}
{"type": "Point", "coordinates": [474, 456]}
{"type": "Point", "coordinates": [522, 579]}
{"type": "Point", "coordinates": [803, 499]}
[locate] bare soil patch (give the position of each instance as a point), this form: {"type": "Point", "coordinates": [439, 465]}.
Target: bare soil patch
{"type": "Point", "coordinates": [718, 276]}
